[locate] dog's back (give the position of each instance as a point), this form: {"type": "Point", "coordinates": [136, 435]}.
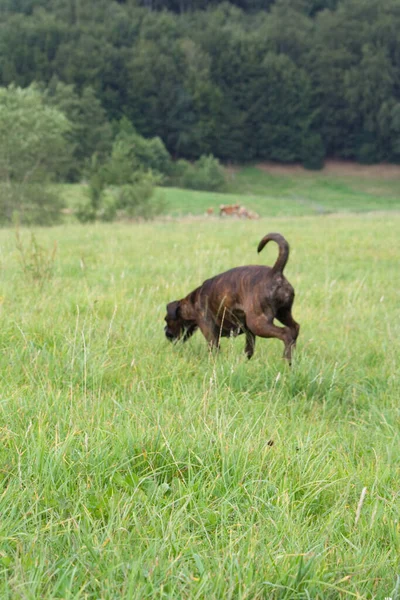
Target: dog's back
{"type": "Point", "coordinates": [244, 287]}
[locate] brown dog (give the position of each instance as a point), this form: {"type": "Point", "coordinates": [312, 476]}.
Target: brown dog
{"type": "Point", "coordinates": [241, 300]}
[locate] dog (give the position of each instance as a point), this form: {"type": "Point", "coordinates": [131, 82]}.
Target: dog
{"type": "Point", "coordinates": [243, 300]}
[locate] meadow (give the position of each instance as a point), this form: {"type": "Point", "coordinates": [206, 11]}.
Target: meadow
{"type": "Point", "coordinates": [286, 191]}
{"type": "Point", "coordinates": [132, 468]}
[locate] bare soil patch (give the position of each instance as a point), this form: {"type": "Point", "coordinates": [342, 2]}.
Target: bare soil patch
{"type": "Point", "coordinates": [336, 167]}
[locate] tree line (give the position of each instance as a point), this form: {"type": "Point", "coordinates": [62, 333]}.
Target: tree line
{"type": "Point", "coordinates": [53, 134]}
{"type": "Point", "coordinates": [284, 80]}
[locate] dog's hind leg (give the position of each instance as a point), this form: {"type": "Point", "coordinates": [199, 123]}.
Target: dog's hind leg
{"type": "Point", "coordinates": [284, 315]}
{"type": "Point", "coordinates": [263, 327]}
{"type": "Point", "coordinates": [250, 343]}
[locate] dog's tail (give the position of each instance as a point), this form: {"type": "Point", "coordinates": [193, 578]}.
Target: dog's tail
{"type": "Point", "coordinates": [283, 250]}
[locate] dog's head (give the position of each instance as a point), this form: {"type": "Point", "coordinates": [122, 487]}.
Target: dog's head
{"type": "Point", "coordinates": [175, 326]}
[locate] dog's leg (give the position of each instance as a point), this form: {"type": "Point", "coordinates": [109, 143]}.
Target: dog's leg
{"type": "Point", "coordinates": [189, 332]}
{"type": "Point", "coordinates": [250, 343]}
{"type": "Point", "coordinates": [263, 327]}
{"type": "Point", "coordinates": [284, 315]}
{"type": "Point", "coordinates": [210, 332]}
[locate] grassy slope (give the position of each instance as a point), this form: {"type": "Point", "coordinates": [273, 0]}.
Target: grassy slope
{"type": "Point", "coordinates": [292, 194]}
{"type": "Point", "coordinates": [281, 195]}
{"type": "Point", "coordinates": [134, 469]}
{"type": "Point", "coordinates": [319, 192]}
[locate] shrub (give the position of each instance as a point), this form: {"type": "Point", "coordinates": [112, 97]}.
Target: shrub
{"type": "Point", "coordinates": [119, 187]}
{"type": "Point", "coordinates": [142, 153]}
{"type": "Point", "coordinates": [139, 200]}
{"type": "Point", "coordinates": [30, 204]}
{"type": "Point", "coordinates": [205, 174]}
{"type": "Point", "coordinates": [85, 211]}
{"type": "Point", "coordinates": [178, 172]}
{"type": "Point", "coordinates": [152, 154]}
{"type": "Point", "coordinates": [134, 199]}
{"type": "Point", "coordinates": [107, 211]}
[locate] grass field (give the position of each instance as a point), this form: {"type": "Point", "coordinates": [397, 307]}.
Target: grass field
{"type": "Point", "coordinates": [287, 193]}
{"type": "Point", "coordinates": [130, 468]}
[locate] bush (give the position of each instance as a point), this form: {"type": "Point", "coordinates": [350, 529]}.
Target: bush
{"type": "Point", "coordinates": [107, 211]}
{"type": "Point", "coordinates": [85, 211]}
{"type": "Point", "coordinates": [139, 200]}
{"type": "Point", "coordinates": [142, 153]}
{"type": "Point", "coordinates": [179, 170]}
{"type": "Point", "coordinates": [152, 154]}
{"type": "Point", "coordinates": [30, 204]}
{"type": "Point", "coordinates": [134, 199]}
{"type": "Point", "coordinates": [205, 174]}
{"type": "Point", "coordinates": [119, 188]}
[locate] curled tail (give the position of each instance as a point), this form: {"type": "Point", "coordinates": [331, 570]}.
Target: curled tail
{"type": "Point", "coordinates": [283, 250]}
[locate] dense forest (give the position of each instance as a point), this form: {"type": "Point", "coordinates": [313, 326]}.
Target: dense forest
{"type": "Point", "coordinates": [283, 80]}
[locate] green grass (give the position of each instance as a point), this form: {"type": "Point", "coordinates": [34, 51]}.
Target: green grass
{"type": "Point", "coordinates": [298, 194]}
{"type": "Point", "coordinates": [130, 468]}
{"type": "Point", "coordinates": [275, 195]}
{"type": "Point", "coordinates": [189, 202]}
{"type": "Point", "coordinates": [316, 192]}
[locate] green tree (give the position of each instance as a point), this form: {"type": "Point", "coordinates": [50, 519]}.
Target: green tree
{"type": "Point", "coordinates": [279, 111]}
{"type": "Point", "coordinates": [33, 144]}
{"type": "Point", "coordinates": [233, 62]}
{"type": "Point", "coordinates": [285, 30]}
{"type": "Point", "coordinates": [90, 132]}
{"type": "Point", "coordinates": [33, 151]}
{"type": "Point", "coordinates": [29, 46]}
{"type": "Point", "coordinates": [328, 60]}
{"type": "Point", "coordinates": [194, 73]}
{"type": "Point", "coordinates": [124, 185]}
{"type": "Point", "coordinates": [157, 100]}
{"type": "Point", "coordinates": [368, 86]}
{"type": "Point", "coordinates": [142, 154]}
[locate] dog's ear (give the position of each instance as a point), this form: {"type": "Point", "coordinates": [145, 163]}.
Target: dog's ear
{"type": "Point", "coordinates": [173, 309]}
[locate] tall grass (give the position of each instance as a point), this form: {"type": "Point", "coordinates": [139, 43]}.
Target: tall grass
{"type": "Point", "coordinates": [130, 468]}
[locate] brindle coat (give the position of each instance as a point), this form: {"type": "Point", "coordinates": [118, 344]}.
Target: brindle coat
{"type": "Point", "coordinates": [241, 300]}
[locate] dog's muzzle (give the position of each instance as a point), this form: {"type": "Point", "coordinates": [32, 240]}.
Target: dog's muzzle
{"type": "Point", "coordinates": [168, 335]}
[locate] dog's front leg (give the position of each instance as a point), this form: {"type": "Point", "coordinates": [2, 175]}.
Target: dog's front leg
{"type": "Point", "coordinates": [250, 344]}
{"type": "Point", "coordinates": [210, 332]}
{"type": "Point", "coordinates": [189, 332]}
